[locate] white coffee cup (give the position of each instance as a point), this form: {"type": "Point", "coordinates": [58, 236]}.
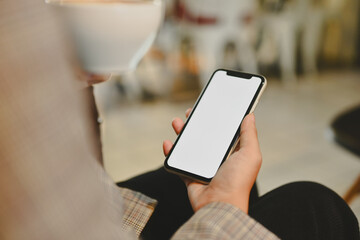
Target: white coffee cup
{"type": "Point", "coordinates": [110, 36]}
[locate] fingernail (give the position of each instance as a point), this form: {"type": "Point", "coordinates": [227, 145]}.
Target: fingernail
{"type": "Point", "coordinates": [252, 117]}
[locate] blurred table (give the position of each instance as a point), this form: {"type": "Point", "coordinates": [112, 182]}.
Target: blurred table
{"type": "Point", "coordinates": [346, 128]}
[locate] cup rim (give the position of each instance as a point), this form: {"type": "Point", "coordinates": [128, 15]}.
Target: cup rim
{"type": "Point", "coordinates": [66, 2]}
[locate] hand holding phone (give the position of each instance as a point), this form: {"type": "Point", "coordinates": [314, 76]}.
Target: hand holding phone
{"type": "Point", "coordinates": [212, 129]}
{"type": "Point", "coordinates": [235, 178]}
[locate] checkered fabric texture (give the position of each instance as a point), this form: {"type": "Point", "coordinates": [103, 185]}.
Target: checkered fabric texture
{"type": "Point", "coordinates": [137, 210]}
{"type": "Point", "coordinates": [222, 221]}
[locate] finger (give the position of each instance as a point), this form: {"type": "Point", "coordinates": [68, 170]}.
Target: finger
{"type": "Point", "coordinates": [187, 112]}
{"type": "Point", "coordinates": [167, 145]}
{"type": "Point", "coordinates": [177, 125]}
{"type": "Point", "coordinates": [96, 78]}
{"type": "Point", "coordinates": [186, 180]}
{"type": "Point", "coordinates": [248, 134]}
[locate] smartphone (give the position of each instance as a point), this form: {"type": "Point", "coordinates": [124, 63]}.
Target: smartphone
{"type": "Point", "coordinates": [212, 129]}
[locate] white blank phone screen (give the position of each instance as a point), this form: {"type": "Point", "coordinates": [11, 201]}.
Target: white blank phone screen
{"type": "Point", "coordinates": [213, 124]}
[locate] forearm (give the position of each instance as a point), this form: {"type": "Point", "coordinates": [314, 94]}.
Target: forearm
{"type": "Point", "coordinates": [51, 186]}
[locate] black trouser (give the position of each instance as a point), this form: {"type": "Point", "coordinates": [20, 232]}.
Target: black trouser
{"type": "Point", "coordinates": [301, 210]}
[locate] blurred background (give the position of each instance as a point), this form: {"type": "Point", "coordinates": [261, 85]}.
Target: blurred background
{"type": "Point", "coordinates": [307, 49]}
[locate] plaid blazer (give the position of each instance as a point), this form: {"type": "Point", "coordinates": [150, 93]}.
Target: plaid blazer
{"type": "Point", "coordinates": [214, 221]}
{"type": "Point", "coordinates": [52, 183]}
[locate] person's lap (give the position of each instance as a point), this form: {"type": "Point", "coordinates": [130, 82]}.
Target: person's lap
{"type": "Point", "coordinates": [301, 210]}
{"type": "Point", "coordinates": [305, 210]}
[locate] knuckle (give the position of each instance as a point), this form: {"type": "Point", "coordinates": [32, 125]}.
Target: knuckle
{"type": "Point", "coordinates": [259, 159]}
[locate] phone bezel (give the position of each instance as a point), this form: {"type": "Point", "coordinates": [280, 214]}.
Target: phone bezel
{"type": "Point", "coordinates": [251, 107]}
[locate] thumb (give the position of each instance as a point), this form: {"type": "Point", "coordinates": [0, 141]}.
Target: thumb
{"type": "Point", "coordinates": [248, 134]}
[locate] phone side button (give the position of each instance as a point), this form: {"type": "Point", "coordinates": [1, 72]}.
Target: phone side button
{"type": "Point", "coordinates": [254, 106]}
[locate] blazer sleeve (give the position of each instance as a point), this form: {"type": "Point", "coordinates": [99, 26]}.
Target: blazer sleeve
{"type": "Point", "coordinates": [51, 184]}
{"type": "Point", "coordinates": [222, 221]}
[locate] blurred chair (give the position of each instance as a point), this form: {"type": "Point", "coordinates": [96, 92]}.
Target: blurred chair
{"type": "Point", "coordinates": [281, 25]}
{"type": "Point", "coordinates": [212, 24]}
{"type": "Point", "coordinates": [287, 25]}
{"type": "Point", "coordinates": [312, 34]}
{"type": "Point", "coordinates": [346, 130]}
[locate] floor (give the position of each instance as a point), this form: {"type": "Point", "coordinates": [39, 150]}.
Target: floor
{"type": "Point", "coordinates": [293, 125]}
